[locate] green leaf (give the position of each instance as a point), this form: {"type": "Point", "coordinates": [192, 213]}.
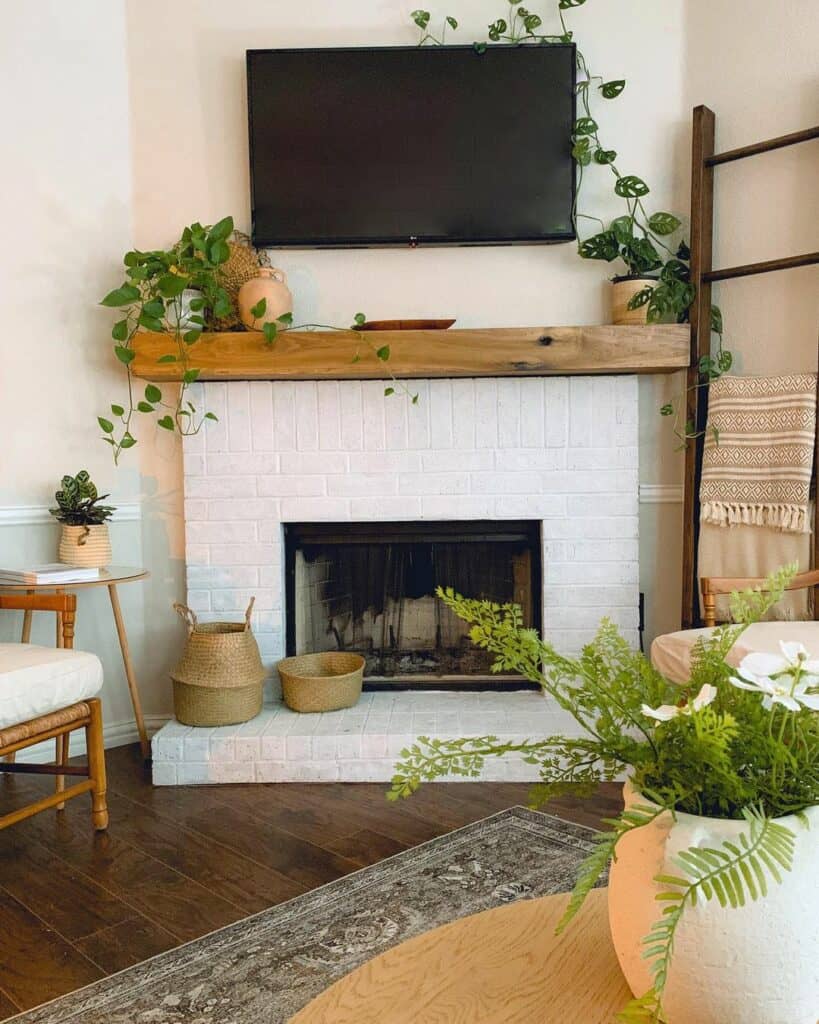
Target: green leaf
{"type": "Point", "coordinates": [479, 47]}
{"type": "Point", "coordinates": [581, 151]}
{"type": "Point", "coordinates": [663, 223]}
{"type": "Point", "coordinates": [270, 330]}
{"type": "Point", "coordinates": [191, 337]}
{"type": "Point", "coordinates": [119, 332]}
{"type": "Point", "coordinates": [171, 285]}
{"type": "Point", "coordinates": [286, 319]}
{"type": "Point", "coordinates": [605, 156]}
{"type": "Point", "coordinates": [640, 299]}
{"type": "Point", "coordinates": [667, 409]}
{"type": "Point", "coordinates": [360, 318]}
{"type": "Point", "coordinates": [421, 18]}
{"type": "Point", "coordinates": [496, 29]}
{"type": "Point", "coordinates": [623, 228]}
{"type": "Point", "coordinates": [131, 259]}
{"type": "Point", "coordinates": [259, 309]}
{"type": "Point", "coordinates": [169, 358]}
{"type": "Point", "coordinates": [197, 305]}
{"type": "Point", "coordinates": [122, 296]}
{"type": "Point", "coordinates": [611, 90]}
{"type": "Point", "coordinates": [725, 360]}
{"type": "Point", "coordinates": [631, 187]}
{"type": "Point", "coordinates": [150, 323]}
{"type": "Point", "coordinates": [105, 425]}
{"type": "Point", "coordinates": [221, 229]}
{"type": "Point", "coordinates": [388, 392]}
{"type": "Point", "coordinates": [156, 308]}
{"type": "Point", "coordinates": [166, 423]}
{"type": "Point", "coordinates": [145, 406]}
{"type": "Point", "coordinates": [585, 126]}
{"type": "Point", "coordinates": [683, 252]}
{"type": "Point", "coordinates": [189, 376]}
{"type": "Point", "coordinates": [127, 441]}
{"type": "Point", "coordinates": [383, 353]}
{"type": "Point", "coordinates": [152, 393]}
{"type": "Point", "coordinates": [211, 416]}
{"type": "Point", "coordinates": [716, 320]}
{"type": "Point", "coordinates": [602, 246]}
{"type": "Point", "coordinates": [125, 355]}
{"type": "Point", "coordinates": [453, 24]}
{"type": "Point", "coordinates": [219, 252]}
{"type": "Point", "coordinates": [117, 410]}
{"type": "Point", "coordinates": [566, 4]}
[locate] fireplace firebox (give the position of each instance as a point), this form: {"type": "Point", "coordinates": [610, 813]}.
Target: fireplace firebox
{"type": "Point", "coordinates": [370, 588]}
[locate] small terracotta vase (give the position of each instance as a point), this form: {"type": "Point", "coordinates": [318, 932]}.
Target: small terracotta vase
{"type": "Point", "coordinates": [270, 284]}
{"type": "Point", "coordinates": [88, 546]}
{"type": "Point", "coordinates": [622, 291]}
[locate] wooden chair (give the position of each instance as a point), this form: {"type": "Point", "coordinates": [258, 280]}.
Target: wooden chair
{"type": "Point", "coordinates": [56, 724]}
{"type": "Point", "coordinates": [712, 586]}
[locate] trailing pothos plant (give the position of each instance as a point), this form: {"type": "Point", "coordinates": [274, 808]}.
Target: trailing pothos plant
{"type": "Point", "coordinates": [152, 298]}
{"type": "Point", "coordinates": [645, 243]}
{"type": "Point", "coordinates": [737, 744]}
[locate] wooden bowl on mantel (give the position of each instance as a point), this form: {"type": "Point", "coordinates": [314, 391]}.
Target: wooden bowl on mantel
{"type": "Point", "coordinates": [405, 325]}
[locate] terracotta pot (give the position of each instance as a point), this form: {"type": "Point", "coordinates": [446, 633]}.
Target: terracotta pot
{"type": "Point", "coordinates": [89, 546]}
{"type": "Point", "coordinates": [622, 290]}
{"type": "Point", "coordinates": [756, 962]}
{"type": "Point", "coordinates": [269, 284]}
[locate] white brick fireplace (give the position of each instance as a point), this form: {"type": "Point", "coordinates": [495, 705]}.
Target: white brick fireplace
{"type": "Point", "coordinates": [559, 450]}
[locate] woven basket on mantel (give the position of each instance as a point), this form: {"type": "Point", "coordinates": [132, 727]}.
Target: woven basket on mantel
{"type": "Point", "coordinates": [326, 681]}
{"type": "Point", "coordinates": [219, 679]}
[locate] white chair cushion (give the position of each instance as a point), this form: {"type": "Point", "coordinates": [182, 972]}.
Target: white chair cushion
{"type": "Point", "coordinates": [35, 680]}
{"type": "Point", "coordinates": [671, 654]}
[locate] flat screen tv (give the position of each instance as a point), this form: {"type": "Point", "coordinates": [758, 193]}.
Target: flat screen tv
{"type": "Point", "coordinates": [438, 145]}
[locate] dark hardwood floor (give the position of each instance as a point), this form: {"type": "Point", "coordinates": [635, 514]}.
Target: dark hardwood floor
{"type": "Point", "coordinates": [179, 862]}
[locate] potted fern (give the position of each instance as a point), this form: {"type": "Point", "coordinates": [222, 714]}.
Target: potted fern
{"type": "Point", "coordinates": [713, 892]}
{"type": "Point", "coordinates": [84, 538]}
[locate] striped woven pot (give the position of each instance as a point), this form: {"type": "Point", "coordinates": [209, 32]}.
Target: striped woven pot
{"type": "Point", "coordinates": [88, 546]}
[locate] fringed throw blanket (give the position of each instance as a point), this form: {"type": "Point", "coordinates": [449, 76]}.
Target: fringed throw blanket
{"type": "Point", "coordinates": [759, 451]}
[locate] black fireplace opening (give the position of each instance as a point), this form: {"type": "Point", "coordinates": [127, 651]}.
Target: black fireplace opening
{"type": "Point", "coordinates": [370, 588]}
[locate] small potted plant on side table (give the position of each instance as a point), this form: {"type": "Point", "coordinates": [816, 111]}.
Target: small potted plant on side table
{"type": "Point", "coordinates": [84, 538]}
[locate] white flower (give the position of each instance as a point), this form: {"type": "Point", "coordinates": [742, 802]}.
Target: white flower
{"type": "Point", "coordinates": [794, 655]}
{"type": "Point", "coordinates": [665, 712]}
{"type": "Point", "coordinates": [782, 691]}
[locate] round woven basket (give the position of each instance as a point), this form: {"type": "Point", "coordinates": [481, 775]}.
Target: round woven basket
{"type": "Point", "coordinates": [219, 679]}
{"type": "Point", "coordinates": [321, 682]}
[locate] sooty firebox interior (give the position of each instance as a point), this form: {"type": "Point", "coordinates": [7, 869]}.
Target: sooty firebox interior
{"type": "Point", "coordinates": [370, 588]}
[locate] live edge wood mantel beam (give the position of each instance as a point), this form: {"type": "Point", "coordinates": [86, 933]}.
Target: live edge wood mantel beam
{"type": "Point", "coordinates": [489, 352]}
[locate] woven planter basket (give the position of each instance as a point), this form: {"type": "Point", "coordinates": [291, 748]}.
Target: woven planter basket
{"type": "Point", "coordinates": [88, 546]}
{"type": "Point", "coordinates": [321, 682]}
{"type": "Point", "coordinates": [219, 679]}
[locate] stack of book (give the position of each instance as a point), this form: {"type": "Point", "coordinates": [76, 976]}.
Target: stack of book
{"type": "Point", "coordinates": [55, 574]}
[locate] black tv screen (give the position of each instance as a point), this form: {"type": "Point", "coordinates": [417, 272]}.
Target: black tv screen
{"type": "Point", "coordinates": [407, 145]}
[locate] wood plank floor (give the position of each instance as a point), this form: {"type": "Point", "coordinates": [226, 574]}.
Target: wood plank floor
{"type": "Point", "coordinates": [179, 862]}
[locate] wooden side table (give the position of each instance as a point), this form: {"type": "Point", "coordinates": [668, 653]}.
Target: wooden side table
{"type": "Point", "coordinates": [110, 577]}
{"type": "Point", "coordinates": [504, 966]}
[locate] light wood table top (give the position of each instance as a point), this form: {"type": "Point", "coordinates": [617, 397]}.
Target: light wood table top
{"type": "Point", "coordinates": [504, 966]}
{"type": "Point", "coordinates": [112, 574]}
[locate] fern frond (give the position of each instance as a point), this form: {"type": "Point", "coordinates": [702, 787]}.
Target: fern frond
{"type": "Point", "coordinates": [593, 866]}
{"type": "Point", "coordinates": [645, 1010]}
{"type": "Point", "coordinates": [732, 874]}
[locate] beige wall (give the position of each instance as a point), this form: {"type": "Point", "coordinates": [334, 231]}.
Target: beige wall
{"type": "Point", "coordinates": [131, 122]}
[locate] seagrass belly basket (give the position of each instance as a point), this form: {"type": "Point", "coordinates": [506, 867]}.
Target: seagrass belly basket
{"type": "Point", "coordinates": [220, 677]}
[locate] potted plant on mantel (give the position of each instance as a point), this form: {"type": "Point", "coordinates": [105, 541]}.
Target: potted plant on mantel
{"type": "Point", "coordinates": [713, 893]}
{"type": "Point", "coordinates": [84, 538]}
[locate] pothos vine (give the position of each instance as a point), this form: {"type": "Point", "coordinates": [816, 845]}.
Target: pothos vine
{"type": "Point", "coordinates": [639, 239]}
{"type": "Point", "coordinates": [177, 292]}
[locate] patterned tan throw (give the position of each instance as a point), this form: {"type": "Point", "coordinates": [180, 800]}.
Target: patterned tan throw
{"type": "Point", "coordinates": [757, 469]}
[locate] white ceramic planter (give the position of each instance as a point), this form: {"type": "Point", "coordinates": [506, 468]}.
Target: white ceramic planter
{"type": "Point", "coordinates": [757, 964]}
{"type": "Point", "coordinates": [178, 312]}
{"type": "Point", "coordinates": [88, 546]}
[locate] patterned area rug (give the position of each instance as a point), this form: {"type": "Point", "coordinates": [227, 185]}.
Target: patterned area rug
{"type": "Point", "coordinates": [265, 968]}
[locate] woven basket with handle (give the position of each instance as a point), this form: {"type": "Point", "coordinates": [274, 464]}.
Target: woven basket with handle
{"type": "Point", "coordinates": [219, 679]}
{"type": "Point", "coordinates": [321, 682]}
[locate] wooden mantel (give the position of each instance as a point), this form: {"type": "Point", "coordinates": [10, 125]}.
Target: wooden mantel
{"type": "Point", "coordinates": [482, 352]}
